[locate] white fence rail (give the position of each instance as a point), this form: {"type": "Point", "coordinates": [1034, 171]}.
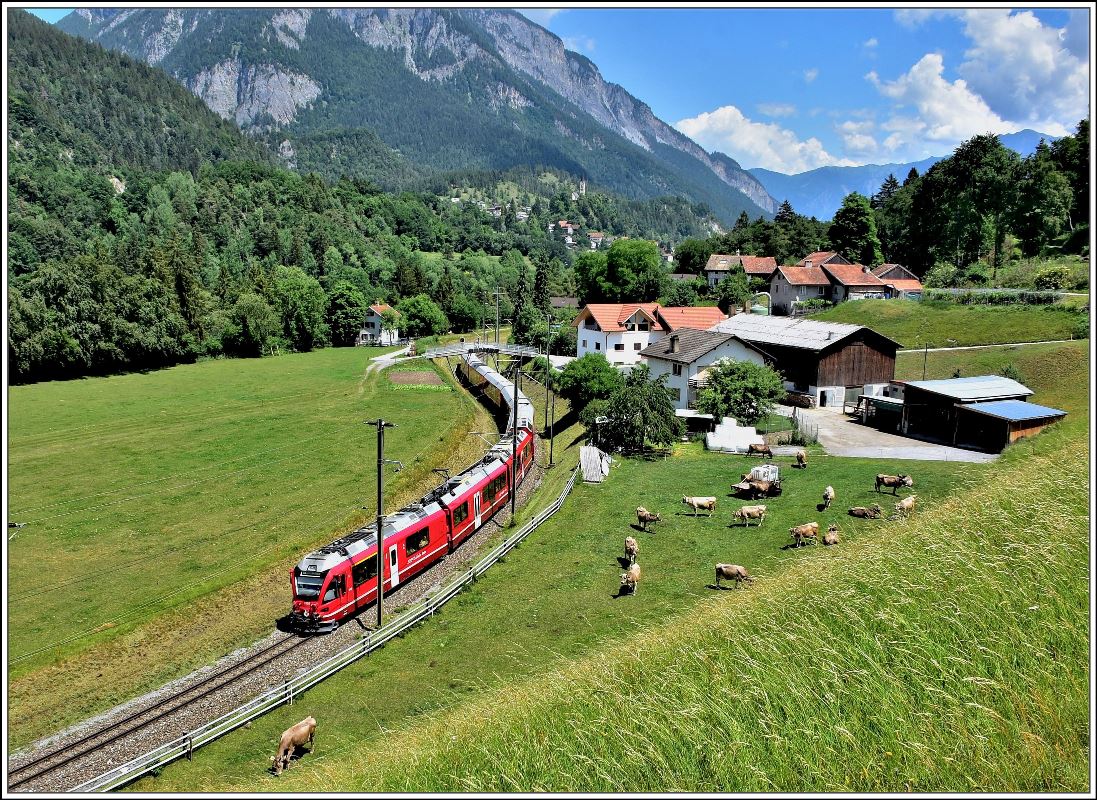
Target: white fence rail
{"type": "Point", "coordinates": [184, 746]}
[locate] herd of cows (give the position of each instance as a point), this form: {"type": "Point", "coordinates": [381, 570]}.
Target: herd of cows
{"type": "Point", "coordinates": [807, 533]}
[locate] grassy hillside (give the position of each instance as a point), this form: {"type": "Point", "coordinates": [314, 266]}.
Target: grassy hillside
{"type": "Point", "coordinates": [526, 670]}
{"type": "Point", "coordinates": [153, 499]}
{"type": "Point", "coordinates": [915, 324]}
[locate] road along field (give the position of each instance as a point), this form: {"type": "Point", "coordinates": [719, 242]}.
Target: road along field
{"type": "Point", "coordinates": [915, 324]}
{"type": "Point", "coordinates": [889, 636]}
{"type": "Point", "coordinates": [165, 510]}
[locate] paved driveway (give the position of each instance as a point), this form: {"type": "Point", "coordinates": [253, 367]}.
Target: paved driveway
{"type": "Point", "coordinates": [844, 436]}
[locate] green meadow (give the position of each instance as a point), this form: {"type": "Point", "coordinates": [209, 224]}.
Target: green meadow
{"type": "Point", "coordinates": [946, 651]}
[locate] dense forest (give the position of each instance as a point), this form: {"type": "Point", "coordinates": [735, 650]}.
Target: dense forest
{"type": "Point", "coordinates": [956, 225]}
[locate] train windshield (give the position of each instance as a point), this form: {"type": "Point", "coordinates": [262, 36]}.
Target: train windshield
{"type": "Point", "coordinates": [308, 583]}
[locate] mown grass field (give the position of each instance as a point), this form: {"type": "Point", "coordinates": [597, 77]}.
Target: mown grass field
{"type": "Point", "coordinates": [538, 678]}
{"type": "Point", "coordinates": [165, 509]}
{"type": "Point", "coordinates": [915, 324]}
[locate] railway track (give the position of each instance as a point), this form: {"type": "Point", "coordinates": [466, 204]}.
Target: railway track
{"type": "Point", "coordinates": [72, 752]}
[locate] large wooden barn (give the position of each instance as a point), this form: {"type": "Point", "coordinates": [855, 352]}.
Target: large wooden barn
{"type": "Point", "coordinates": [986, 412]}
{"type": "Point", "coordinates": [833, 363]}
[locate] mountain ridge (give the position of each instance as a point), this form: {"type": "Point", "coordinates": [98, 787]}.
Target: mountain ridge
{"type": "Point", "coordinates": [446, 88]}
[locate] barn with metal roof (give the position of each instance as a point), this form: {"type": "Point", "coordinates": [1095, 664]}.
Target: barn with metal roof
{"type": "Point", "coordinates": [831, 362]}
{"type": "Point", "coordinates": [987, 412]}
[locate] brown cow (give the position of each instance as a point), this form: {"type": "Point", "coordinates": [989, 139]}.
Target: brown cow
{"type": "Point", "coordinates": [831, 536]}
{"type": "Point", "coordinates": [893, 482]}
{"type": "Point", "coordinates": [802, 534]}
{"type": "Point", "coordinates": [645, 517]}
{"type": "Point", "coordinates": [872, 512]}
{"type": "Point", "coordinates": [701, 503]}
{"type": "Point", "coordinates": [747, 513]}
{"type": "Point", "coordinates": [296, 736]}
{"type": "Point", "coordinates": [802, 459]}
{"type": "Point", "coordinates": [759, 450]}
{"type": "Point", "coordinates": [630, 579]}
{"type": "Point", "coordinates": [732, 572]}
{"type": "Point", "coordinates": [632, 547]}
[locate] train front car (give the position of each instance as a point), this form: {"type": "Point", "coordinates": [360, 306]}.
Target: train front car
{"type": "Point", "coordinates": [317, 582]}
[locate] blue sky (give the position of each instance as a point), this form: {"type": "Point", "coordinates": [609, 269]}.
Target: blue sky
{"type": "Point", "coordinates": [793, 89]}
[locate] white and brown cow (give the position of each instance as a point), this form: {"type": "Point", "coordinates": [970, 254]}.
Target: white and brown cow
{"type": "Point", "coordinates": [293, 737]}
{"type": "Point", "coordinates": [747, 513]}
{"type": "Point", "coordinates": [803, 534]}
{"type": "Point", "coordinates": [893, 482]}
{"type": "Point", "coordinates": [645, 517]}
{"type": "Point", "coordinates": [701, 503]}
{"type": "Point", "coordinates": [732, 572]}
{"type": "Point", "coordinates": [632, 547]}
{"type": "Point", "coordinates": [630, 579]}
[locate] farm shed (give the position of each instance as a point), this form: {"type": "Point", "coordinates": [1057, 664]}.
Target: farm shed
{"type": "Point", "coordinates": [832, 362]}
{"type": "Point", "coordinates": [987, 412]}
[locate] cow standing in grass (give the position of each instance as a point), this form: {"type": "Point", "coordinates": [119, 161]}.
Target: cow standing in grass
{"type": "Point", "coordinates": [629, 579]}
{"type": "Point", "coordinates": [732, 572]}
{"type": "Point", "coordinates": [747, 513]}
{"type": "Point", "coordinates": [701, 503]}
{"type": "Point", "coordinates": [645, 517]}
{"type": "Point", "coordinates": [759, 450]}
{"type": "Point", "coordinates": [296, 736]}
{"type": "Point", "coordinates": [801, 459]}
{"type": "Point", "coordinates": [828, 497]}
{"type": "Point", "coordinates": [632, 547]}
{"type": "Point", "coordinates": [893, 482]}
{"type": "Point", "coordinates": [803, 534]}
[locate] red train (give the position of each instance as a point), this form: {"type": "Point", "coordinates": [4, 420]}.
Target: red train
{"type": "Point", "coordinates": [338, 580]}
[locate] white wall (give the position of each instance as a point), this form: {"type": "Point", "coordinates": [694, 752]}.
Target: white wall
{"type": "Point", "coordinates": [589, 340]}
{"type": "Point", "coordinates": [732, 349]}
{"type": "Point", "coordinates": [372, 333]}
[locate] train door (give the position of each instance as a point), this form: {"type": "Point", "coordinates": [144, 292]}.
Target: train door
{"type": "Point", "coordinates": [394, 569]}
{"type": "Point", "coordinates": [476, 507]}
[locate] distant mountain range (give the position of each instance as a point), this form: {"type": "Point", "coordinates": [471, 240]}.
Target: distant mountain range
{"type": "Point", "coordinates": [390, 93]}
{"type": "Point", "coordinates": [819, 192]}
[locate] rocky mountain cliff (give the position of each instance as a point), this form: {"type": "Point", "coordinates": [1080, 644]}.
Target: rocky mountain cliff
{"type": "Point", "coordinates": [445, 88]}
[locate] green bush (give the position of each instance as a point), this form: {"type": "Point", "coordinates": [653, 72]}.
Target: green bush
{"type": "Point", "coordinates": [1057, 277]}
{"type": "Point", "coordinates": [1081, 328]}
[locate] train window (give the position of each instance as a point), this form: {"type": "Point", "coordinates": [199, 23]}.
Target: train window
{"type": "Point", "coordinates": [308, 583]}
{"type": "Point", "coordinates": [461, 513]}
{"type": "Point", "coordinates": [336, 589]}
{"type": "Point", "coordinates": [417, 541]}
{"type": "Point", "coordinates": [364, 571]}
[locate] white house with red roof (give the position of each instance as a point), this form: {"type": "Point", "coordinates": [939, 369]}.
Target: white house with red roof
{"type": "Point", "coordinates": [854, 282]}
{"type": "Point", "coordinates": [373, 330]}
{"type": "Point", "coordinates": [619, 331]}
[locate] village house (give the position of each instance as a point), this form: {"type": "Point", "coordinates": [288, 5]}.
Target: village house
{"type": "Point", "coordinates": [685, 356]}
{"type": "Point", "coordinates": [595, 240]}
{"type": "Point", "coordinates": [373, 331]}
{"type": "Point", "coordinates": [902, 282]}
{"type": "Point", "coordinates": [854, 282]}
{"type": "Point", "coordinates": [619, 331]}
{"type": "Point", "coordinates": [832, 363]}
{"type": "Point", "coordinates": [719, 266]}
{"type": "Point", "coordinates": [791, 285]}
{"type": "Point", "coordinates": [821, 257]}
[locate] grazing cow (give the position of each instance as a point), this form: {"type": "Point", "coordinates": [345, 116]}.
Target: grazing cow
{"type": "Point", "coordinates": [801, 459]}
{"type": "Point", "coordinates": [831, 536]}
{"type": "Point", "coordinates": [630, 579]}
{"type": "Point", "coordinates": [645, 517]}
{"type": "Point", "coordinates": [802, 534]}
{"type": "Point", "coordinates": [828, 497]}
{"type": "Point", "coordinates": [759, 450]}
{"type": "Point", "coordinates": [906, 505]}
{"type": "Point", "coordinates": [698, 503]}
{"type": "Point", "coordinates": [732, 572]}
{"type": "Point", "coordinates": [893, 482]}
{"type": "Point", "coordinates": [872, 512]}
{"type": "Point", "coordinates": [747, 513]}
{"type": "Point", "coordinates": [293, 737]}
{"type": "Point", "coordinates": [632, 547]}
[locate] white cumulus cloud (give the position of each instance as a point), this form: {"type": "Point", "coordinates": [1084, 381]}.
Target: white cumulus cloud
{"type": "Point", "coordinates": [1024, 70]}
{"type": "Point", "coordinates": [542, 16]}
{"type": "Point", "coordinates": [811, 74]}
{"type": "Point", "coordinates": [857, 137]}
{"type": "Point", "coordinates": [871, 42]}
{"type": "Point", "coordinates": [757, 144]}
{"type": "Point", "coordinates": [946, 112]}
{"type": "Point", "coordinates": [579, 44]}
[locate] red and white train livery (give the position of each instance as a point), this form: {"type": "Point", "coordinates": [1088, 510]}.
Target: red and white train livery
{"type": "Point", "coordinates": [338, 580]}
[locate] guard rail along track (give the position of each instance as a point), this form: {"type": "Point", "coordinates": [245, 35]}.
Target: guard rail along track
{"type": "Point", "coordinates": [73, 751]}
{"type": "Point", "coordinates": [184, 746]}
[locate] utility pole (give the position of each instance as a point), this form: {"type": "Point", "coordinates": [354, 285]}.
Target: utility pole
{"type": "Point", "coordinates": [925, 358]}
{"type": "Point", "coordinates": [552, 422]}
{"type": "Point", "coordinates": [514, 439]}
{"type": "Point", "coordinates": [497, 292]}
{"type": "Point", "coordinates": [380, 424]}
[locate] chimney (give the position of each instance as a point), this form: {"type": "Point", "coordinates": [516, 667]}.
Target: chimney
{"type": "Point", "coordinates": [807, 263]}
{"type": "Point", "coordinates": [674, 343]}
{"type": "Point", "coordinates": [866, 270]}
{"type": "Point", "coordinates": [737, 251]}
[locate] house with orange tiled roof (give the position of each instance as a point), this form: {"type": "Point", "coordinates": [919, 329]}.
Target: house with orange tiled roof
{"type": "Point", "coordinates": [792, 285]}
{"type": "Point", "coordinates": [619, 331]}
{"type": "Point", "coordinates": [822, 257]}
{"type": "Point", "coordinates": [720, 265]}
{"type": "Point", "coordinates": [854, 282]}
{"type": "Point", "coordinates": [902, 281]}
{"type": "Point", "coordinates": [373, 329]}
